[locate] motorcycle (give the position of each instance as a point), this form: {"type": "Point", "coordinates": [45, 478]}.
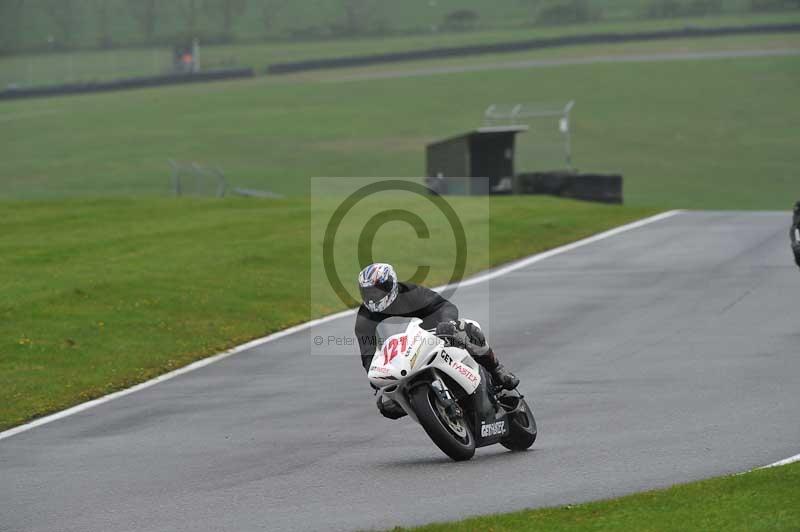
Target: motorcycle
{"type": "Point", "coordinates": [794, 233]}
{"type": "Point", "coordinates": [439, 385]}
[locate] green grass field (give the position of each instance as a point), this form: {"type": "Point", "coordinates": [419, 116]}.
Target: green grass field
{"type": "Point", "coordinates": [696, 134]}
{"type": "Point", "coordinates": [760, 500]}
{"type": "Point", "coordinates": [102, 294]}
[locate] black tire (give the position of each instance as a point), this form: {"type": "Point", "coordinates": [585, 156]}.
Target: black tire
{"type": "Point", "coordinates": [423, 401]}
{"type": "Point", "coordinates": [522, 428]}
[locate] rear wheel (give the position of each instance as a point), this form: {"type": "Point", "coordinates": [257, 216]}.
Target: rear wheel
{"type": "Point", "coordinates": [450, 433]}
{"type": "Point", "coordinates": [522, 427]}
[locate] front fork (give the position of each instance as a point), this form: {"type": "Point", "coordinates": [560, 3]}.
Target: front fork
{"type": "Point", "coordinates": [446, 398]}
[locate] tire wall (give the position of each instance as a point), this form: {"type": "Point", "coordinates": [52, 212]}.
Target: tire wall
{"type": "Point", "coordinates": [128, 83]}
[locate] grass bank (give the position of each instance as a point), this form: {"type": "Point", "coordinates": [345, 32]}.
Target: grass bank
{"type": "Point", "coordinates": [99, 295]}
{"type": "Point", "coordinates": [760, 500]}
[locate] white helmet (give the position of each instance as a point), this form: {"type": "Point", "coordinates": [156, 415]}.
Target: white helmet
{"type": "Point", "coordinates": [378, 285]}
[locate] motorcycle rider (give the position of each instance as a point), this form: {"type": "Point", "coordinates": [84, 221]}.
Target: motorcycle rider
{"type": "Point", "coordinates": [384, 296]}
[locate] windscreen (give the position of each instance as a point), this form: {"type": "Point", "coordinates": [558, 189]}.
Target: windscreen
{"type": "Point", "coordinates": [390, 327]}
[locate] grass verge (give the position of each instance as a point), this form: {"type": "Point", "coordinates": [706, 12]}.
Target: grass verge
{"type": "Point", "coordinates": [759, 500]}
{"type": "Point", "coordinates": [100, 295]}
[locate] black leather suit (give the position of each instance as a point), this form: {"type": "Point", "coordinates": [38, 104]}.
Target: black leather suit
{"type": "Point", "coordinates": [413, 301]}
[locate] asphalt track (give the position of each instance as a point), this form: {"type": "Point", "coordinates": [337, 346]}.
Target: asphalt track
{"type": "Point", "coordinates": [664, 354]}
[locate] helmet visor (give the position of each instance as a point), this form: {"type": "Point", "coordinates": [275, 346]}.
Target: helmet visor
{"type": "Point", "coordinates": [377, 292]}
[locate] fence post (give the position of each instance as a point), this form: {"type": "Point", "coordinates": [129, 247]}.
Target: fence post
{"type": "Point", "coordinates": [176, 177]}
{"type": "Point", "coordinates": [568, 133]}
{"type": "Point", "coordinates": [196, 55]}
{"type": "Point", "coordinates": [222, 183]}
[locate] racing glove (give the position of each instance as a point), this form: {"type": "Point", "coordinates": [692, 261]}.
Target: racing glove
{"type": "Point", "coordinates": [451, 330]}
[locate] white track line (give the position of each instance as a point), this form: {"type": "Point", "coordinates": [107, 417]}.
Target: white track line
{"type": "Point", "coordinates": [785, 461]}
{"type": "Point", "coordinates": [491, 274]}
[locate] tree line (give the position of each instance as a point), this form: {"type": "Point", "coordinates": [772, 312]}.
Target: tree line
{"type": "Point", "coordinates": [96, 23]}
{"type": "Point", "coordinates": [40, 25]}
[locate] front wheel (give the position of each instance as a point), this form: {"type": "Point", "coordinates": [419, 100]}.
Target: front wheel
{"type": "Point", "coordinates": [451, 434]}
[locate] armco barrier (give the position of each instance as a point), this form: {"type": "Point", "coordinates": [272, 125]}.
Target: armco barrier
{"type": "Point", "coordinates": [519, 46]}
{"type": "Point", "coordinates": [128, 83]}
{"type": "Point", "coordinates": [604, 188]}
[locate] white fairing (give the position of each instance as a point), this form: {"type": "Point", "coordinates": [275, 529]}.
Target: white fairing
{"type": "Point", "coordinates": [408, 350]}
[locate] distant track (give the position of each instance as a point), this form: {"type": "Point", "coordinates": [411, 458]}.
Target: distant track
{"type": "Point", "coordinates": [527, 45]}
{"type": "Point", "coordinates": [548, 63]}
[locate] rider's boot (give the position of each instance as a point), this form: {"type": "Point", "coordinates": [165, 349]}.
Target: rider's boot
{"type": "Point", "coordinates": [500, 374]}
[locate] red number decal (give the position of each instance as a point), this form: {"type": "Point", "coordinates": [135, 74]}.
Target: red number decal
{"type": "Point", "coordinates": [403, 343]}
{"type": "Point", "coordinates": [390, 349]}
{"type": "Point", "coordinates": [387, 351]}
